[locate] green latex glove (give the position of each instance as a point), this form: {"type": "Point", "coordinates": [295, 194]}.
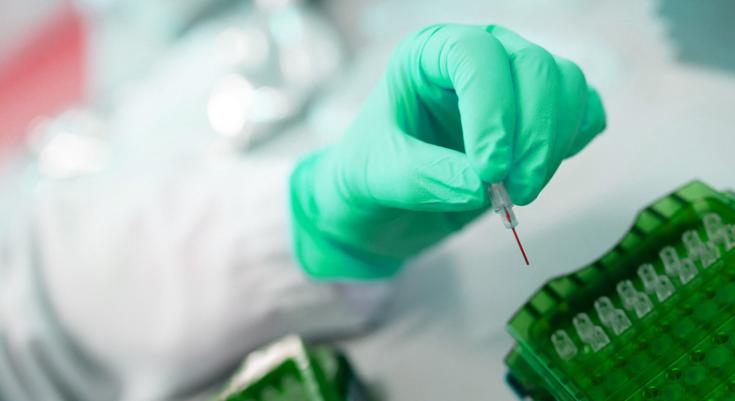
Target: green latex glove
{"type": "Point", "coordinates": [458, 108]}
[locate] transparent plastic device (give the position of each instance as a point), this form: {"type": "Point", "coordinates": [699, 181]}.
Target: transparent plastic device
{"type": "Point", "coordinates": [503, 206]}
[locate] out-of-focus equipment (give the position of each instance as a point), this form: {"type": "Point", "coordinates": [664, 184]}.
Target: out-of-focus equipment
{"type": "Point", "coordinates": [42, 60]}
{"type": "Point", "coordinates": [275, 59]}
{"type": "Point", "coordinates": [234, 73]}
{"type": "Point", "coordinates": [653, 319]}
{"type": "Point", "coordinates": [700, 31]}
{"type": "Point", "coordinates": [71, 144]}
{"type": "Point", "coordinates": [289, 370]}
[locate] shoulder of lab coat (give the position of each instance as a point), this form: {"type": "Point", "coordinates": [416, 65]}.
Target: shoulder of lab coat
{"type": "Point", "coordinates": [151, 286]}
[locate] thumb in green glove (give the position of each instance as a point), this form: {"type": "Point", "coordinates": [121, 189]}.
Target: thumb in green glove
{"type": "Point", "coordinates": [459, 107]}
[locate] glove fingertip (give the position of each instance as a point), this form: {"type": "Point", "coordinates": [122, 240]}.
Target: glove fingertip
{"type": "Point", "coordinates": [593, 123]}
{"type": "Point", "coordinates": [492, 165]}
{"type": "Point", "coordinates": [595, 119]}
{"type": "Point", "coordinates": [522, 193]}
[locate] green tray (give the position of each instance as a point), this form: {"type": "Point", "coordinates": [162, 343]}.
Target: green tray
{"type": "Point", "coordinates": [584, 336]}
{"type": "Point", "coordinates": [289, 370]}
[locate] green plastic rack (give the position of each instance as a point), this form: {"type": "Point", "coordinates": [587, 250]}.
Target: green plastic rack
{"type": "Point", "coordinates": [289, 370]}
{"type": "Point", "coordinates": [652, 319]}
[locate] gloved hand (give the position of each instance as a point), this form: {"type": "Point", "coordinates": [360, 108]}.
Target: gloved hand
{"type": "Point", "coordinates": [459, 107]}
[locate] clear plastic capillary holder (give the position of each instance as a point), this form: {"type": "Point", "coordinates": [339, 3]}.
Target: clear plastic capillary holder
{"type": "Point", "coordinates": [714, 227]}
{"type": "Point", "coordinates": [611, 316]}
{"type": "Point", "coordinates": [564, 345]}
{"type": "Point", "coordinates": [707, 253]}
{"type": "Point", "coordinates": [502, 204]}
{"type": "Point", "coordinates": [633, 299]}
{"type": "Point", "coordinates": [590, 333]}
{"type": "Point", "coordinates": [684, 268]}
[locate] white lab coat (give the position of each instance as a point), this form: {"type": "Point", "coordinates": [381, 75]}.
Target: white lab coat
{"type": "Point", "coordinates": [129, 286]}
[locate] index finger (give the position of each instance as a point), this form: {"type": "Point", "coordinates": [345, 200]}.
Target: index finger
{"type": "Point", "coordinates": [470, 61]}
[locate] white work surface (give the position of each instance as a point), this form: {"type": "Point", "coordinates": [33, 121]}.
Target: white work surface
{"type": "Point", "coordinates": [668, 123]}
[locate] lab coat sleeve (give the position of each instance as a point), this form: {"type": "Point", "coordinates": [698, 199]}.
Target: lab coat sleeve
{"type": "Point", "coordinates": [141, 286]}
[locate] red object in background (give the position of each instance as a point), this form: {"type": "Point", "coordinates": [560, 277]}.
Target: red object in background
{"type": "Point", "coordinates": [42, 77]}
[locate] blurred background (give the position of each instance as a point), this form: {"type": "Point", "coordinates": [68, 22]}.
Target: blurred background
{"type": "Point", "coordinates": [243, 71]}
{"type": "Point", "coordinates": [87, 85]}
